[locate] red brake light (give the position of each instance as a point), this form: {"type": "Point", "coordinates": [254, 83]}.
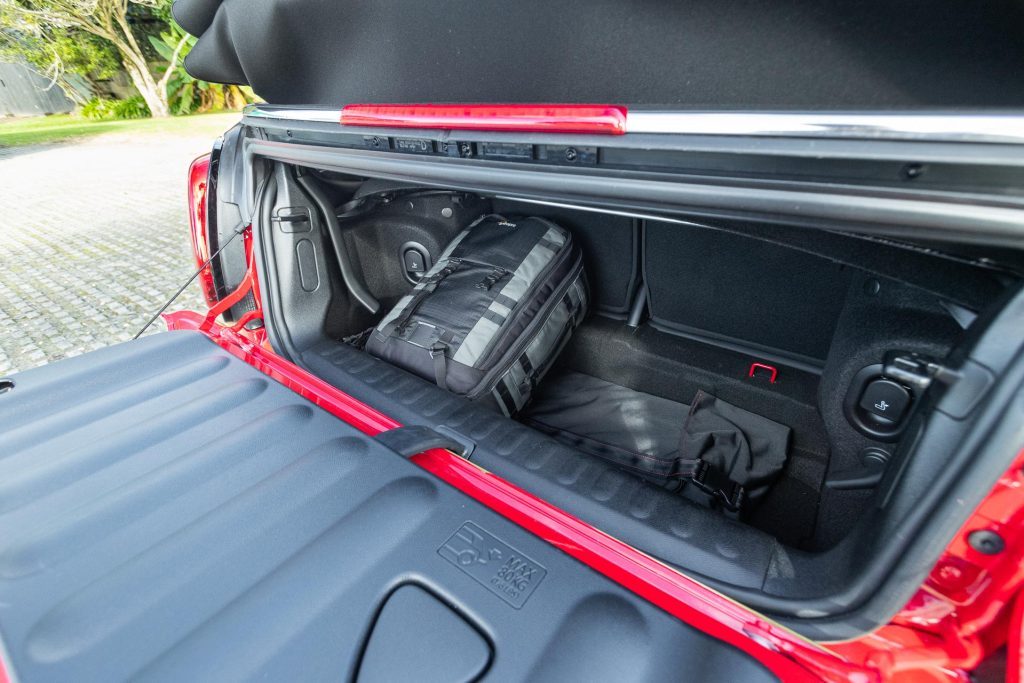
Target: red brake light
{"type": "Point", "coordinates": [198, 178]}
{"type": "Point", "coordinates": [599, 119]}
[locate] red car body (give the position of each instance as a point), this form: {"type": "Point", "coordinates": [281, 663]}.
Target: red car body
{"type": "Point", "coordinates": [970, 606]}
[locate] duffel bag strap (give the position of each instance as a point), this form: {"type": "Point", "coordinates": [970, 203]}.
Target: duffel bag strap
{"type": "Point", "coordinates": [358, 340]}
{"type": "Point", "coordinates": [424, 289]}
{"type": "Point", "coordinates": [437, 353]}
{"type": "Point", "coordinates": [712, 481]}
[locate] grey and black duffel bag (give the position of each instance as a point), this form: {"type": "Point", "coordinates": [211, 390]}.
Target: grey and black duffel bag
{"type": "Point", "coordinates": [492, 314]}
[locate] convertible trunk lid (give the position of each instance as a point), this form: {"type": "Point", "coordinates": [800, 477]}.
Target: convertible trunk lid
{"type": "Point", "coordinates": [169, 512]}
{"type": "Point", "coordinates": [835, 54]}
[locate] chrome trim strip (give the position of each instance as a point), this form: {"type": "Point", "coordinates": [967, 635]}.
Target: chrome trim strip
{"type": "Point", "coordinates": [948, 127]}
{"type": "Point", "coordinates": [287, 113]}
{"type": "Point", "coordinates": [890, 126]}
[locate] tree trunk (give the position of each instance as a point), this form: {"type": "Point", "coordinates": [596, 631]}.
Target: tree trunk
{"type": "Point", "coordinates": [154, 96]}
{"type": "Point", "coordinates": [134, 61]}
{"type": "Point", "coordinates": [107, 20]}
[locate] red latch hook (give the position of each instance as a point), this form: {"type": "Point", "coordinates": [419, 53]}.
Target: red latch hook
{"type": "Point", "coordinates": [754, 367]}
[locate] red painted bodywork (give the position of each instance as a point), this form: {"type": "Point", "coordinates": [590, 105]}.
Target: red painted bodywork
{"type": "Point", "coordinates": [593, 119]}
{"type": "Point", "coordinates": [198, 183]}
{"type": "Point", "coordinates": [788, 655]}
{"type": "Point", "coordinates": [964, 611]}
{"type": "Point", "coordinates": [1015, 643]}
{"type": "Point", "coordinates": [959, 617]}
{"type": "Point", "coordinates": [967, 609]}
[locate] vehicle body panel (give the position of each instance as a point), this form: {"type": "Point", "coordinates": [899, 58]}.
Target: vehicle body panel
{"type": "Point", "coordinates": [171, 512]}
{"type": "Point", "coordinates": [932, 638]}
{"type": "Point", "coordinates": [957, 619]}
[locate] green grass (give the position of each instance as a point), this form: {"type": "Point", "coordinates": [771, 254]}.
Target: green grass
{"type": "Point", "coordinates": [18, 132]}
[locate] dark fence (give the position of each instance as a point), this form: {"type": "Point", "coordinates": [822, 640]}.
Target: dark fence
{"type": "Point", "coordinates": [23, 92]}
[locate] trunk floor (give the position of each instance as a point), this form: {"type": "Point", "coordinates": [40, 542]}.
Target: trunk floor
{"type": "Point", "coordinates": [674, 367]}
{"type": "Point", "coordinates": [704, 542]}
{"type": "Point", "coordinates": [613, 422]}
{"type": "Point", "coordinates": [653, 374]}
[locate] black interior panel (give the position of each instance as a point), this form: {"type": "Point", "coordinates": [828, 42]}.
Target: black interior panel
{"type": "Point", "coordinates": [168, 512]}
{"type": "Point", "coordinates": [735, 288]}
{"type": "Point", "coordinates": [377, 238]}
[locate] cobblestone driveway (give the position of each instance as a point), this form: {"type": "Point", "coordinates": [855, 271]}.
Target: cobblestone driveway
{"type": "Point", "coordinates": [93, 239]}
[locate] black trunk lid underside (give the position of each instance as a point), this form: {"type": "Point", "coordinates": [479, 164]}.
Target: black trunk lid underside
{"type": "Point", "coordinates": [702, 54]}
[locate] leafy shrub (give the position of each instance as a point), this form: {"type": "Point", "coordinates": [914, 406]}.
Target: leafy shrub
{"type": "Point", "coordinates": [100, 109]}
{"type": "Point", "coordinates": [132, 108]}
{"type": "Point", "coordinates": [97, 109]}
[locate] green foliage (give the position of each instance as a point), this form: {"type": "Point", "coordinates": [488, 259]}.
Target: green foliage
{"type": "Point", "coordinates": [96, 109]}
{"type": "Point", "coordinates": [95, 39]}
{"type": "Point", "coordinates": [56, 53]}
{"type": "Point", "coordinates": [77, 51]}
{"type": "Point", "coordinates": [131, 108]}
{"type": "Point", "coordinates": [37, 130]}
{"type": "Point", "coordinates": [161, 11]}
{"type": "Point", "coordinates": [188, 95]}
{"type": "Point", "coordinates": [99, 109]}
{"type": "Point", "coordinates": [91, 34]}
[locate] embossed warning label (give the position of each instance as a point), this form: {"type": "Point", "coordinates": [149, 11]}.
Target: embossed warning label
{"type": "Point", "coordinates": [509, 574]}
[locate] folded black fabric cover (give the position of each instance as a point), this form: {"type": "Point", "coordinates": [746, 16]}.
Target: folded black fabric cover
{"type": "Point", "coordinates": [660, 439]}
{"type": "Point", "coordinates": [637, 431]}
{"type": "Point", "coordinates": [749, 448]}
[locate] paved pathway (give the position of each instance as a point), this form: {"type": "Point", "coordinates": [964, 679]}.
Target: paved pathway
{"type": "Point", "coordinates": [93, 239]}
